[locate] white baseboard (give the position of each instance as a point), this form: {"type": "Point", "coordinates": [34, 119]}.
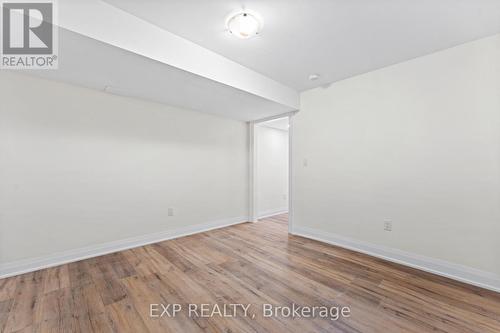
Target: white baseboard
{"type": "Point", "coordinates": [457, 272]}
{"type": "Point", "coordinates": [272, 212]}
{"type": "Point", "coordinates": [34, 264]}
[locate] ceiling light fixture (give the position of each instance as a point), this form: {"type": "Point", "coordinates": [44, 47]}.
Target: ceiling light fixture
{"type": "Point", "coordinates": [244, 23]}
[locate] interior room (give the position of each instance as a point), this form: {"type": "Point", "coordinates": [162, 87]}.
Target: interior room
{"type": "Point", "coordinates": [250, 166]}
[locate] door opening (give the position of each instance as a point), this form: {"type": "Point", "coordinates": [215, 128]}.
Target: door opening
{"type": "Point", "coordinates": [270, 170]}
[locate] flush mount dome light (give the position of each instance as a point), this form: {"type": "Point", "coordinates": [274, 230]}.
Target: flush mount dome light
{"type": "Point", "coordinates": [244, 24]}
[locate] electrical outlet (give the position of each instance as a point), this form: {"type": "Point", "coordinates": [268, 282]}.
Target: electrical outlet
{"type": "Point", "coordinates": [170, 212]}
{"type": "Point", "coordinates": [388, 225]}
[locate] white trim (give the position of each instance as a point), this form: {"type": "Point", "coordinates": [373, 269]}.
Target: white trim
{"type": "Point", "coordinates": [278, 116]}
{"type": "Point", "coordinates": [447, 269]}
{"type": "Point", "coordinates": [252, 174]}
{"type": "Point", "coordinates": [290, 173]}
{"type": "Point", "coordinates": [34, 264]}
{"type": "Point", "coordinates": [272, 212]}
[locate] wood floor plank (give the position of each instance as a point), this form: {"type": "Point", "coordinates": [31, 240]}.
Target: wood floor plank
{"type": "Point", "coordinates": [147, 261]}
{"type": "Point", "coordinates": [5, 307]}
{"type": "Point", "coordinates": [21, 314]}
{"type": "Point", "coordinates": [26, 299]}
{"type": "Point", "coordinates": [250, 263]}
{"type": "Point", "coordinates": [79, 273]}
{"type": "Point", "coordinates": [143, 294]}
{"type": "Point", "coordinates": [56, 278]}
{"type": "Point", "coordinates": [123, 317]}
{"type": "Point", "coordinates": [8, 288]}
{"type": "Point", "coordinates": [107, 282]}
{"type": "Point", "coordinates": [88, 305]}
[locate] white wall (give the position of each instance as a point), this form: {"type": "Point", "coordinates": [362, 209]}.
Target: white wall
{"type": "Point", "coordinates": [417, 143]}
{"type": "Point", "coordinates": [272, 171]}
{"type": "Point", "coordinates": [80, 167]}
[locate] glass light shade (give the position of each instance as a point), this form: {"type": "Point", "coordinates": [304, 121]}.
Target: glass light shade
{"type": "Point", "coordinates": [244, 25]}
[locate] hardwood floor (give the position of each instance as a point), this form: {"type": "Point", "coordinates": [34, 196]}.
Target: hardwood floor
{"type": "Point", "coordinates": [252, 263]}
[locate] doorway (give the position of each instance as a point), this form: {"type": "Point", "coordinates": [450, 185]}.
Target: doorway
{"type": "Point", "coordinates": [270, 169]}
